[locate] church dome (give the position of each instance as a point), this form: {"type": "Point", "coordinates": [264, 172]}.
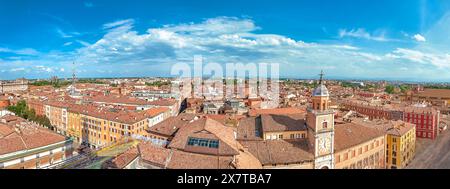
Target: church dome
{"type": "Point", "coordinates": [321, 90]}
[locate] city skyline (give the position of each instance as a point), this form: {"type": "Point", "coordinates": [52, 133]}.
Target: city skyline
{"type": "Point", "coordinates": [403, 40]}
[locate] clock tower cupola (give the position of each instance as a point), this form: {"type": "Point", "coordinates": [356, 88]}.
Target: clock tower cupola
{"type": "Point", "coordinates": [320, 96]}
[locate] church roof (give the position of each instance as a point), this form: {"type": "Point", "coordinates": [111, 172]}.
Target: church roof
{"type": "Point", "coordinates": [321, 90]}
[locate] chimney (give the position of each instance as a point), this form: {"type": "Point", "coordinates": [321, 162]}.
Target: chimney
{"type": "Point", "coordinates": [17, 130]}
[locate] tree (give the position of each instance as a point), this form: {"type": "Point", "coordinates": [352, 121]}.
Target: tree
{"type": "Point", "coordinates": [389, 89]}
{"type": "Point", "coordinates": [404, 88]}
{"type": "Point", "coordinates": [158, 83]}
{"type": "Point", "coordinates": [22, 110]}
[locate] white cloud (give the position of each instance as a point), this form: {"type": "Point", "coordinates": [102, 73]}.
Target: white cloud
{"type": "Point", "coordinates": [84, 43]}
{"type": "Point", "coordinates": [47, 69]}
{"type": "Point", "coordinates": [67, 43]}
{"type": "Point", "coordinates": [439, 60]}
{"type": "Point", "coordinates": [123, 50]}
{"type": "Point", "coordinates": [215, 26]}
{"type": "Point", "coordinates": [63, 34]}
{"type": "Point", "coordinates": [127, 22]}
{"type": "Point", "coordinates": [222, 39]}
{"type": "Point", "coordinates": [419, 38]}
{"type": "Point", "coordinates": [17, 69]}
{"type": "Point", "coordinates": [26, 51]}
{"type": "Point", "coordinates": [362, 33]}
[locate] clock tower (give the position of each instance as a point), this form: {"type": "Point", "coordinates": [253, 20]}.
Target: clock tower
{"type": "Point", "coordinates": [320, 122]}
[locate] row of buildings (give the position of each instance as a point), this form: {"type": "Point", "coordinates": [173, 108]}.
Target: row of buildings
{"type": "Point", "coordinates": [100, 123]}
{"type": "Point", "coordinates": [232, 134]}
{"type": "Point", "coordinates": [313, 139]}
{"type": "Point", "coordinates": [13, 86]}
{"type": "Point", "coordinates": [426, 119]}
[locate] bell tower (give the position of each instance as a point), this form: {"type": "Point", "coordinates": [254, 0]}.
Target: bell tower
{"type": "Point", "coordinates": [320, 122]}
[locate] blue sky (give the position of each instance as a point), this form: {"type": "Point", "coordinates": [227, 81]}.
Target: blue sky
{"type": "Point", "coordinates": [364, 39]}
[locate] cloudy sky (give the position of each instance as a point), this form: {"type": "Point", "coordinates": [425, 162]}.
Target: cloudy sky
{"type": "Point", "coordinates": [364, 39]}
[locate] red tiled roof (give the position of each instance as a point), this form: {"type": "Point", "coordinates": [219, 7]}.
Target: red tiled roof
{"type": "Point", "coordinates": [397, 128]}
{"type": "Point", "coordinates": [276, 111]}
{"type": "Point", "coordinates": [124, 159]}
{"type": "Point", "coordinates": [5, 131]}
{"type": "Point", "coordinates": [111, 114]}
{"type": "Point", "coordinates": [250, 129]}
{"type": "Point", "coordinates": [186, 160]}
{"type": "Point", "coordinates": [171, 125]}
{"type": "Point", "coordinates": [280, 151]}
{"type": "Point", "coordinates": [157, 156]}
{"type": "Point", "coordinates": [206, 129]}
{"type": "Point", "coordinates": [275, 123]}
{"type": "Point", "coordinates": [350, 134]}
{"type": "Point", "coordinates": [25, 136]}
{"type": "Point", "coordinates": [152, 112]}
{"type": "Point", "coordinates": [130, 100]}
{"type": "Point", "coordinates": [438, 93]}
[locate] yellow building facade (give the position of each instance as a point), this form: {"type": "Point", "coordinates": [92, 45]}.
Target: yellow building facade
{"type": "Point", "coordinates": [367, 155]}
{"type": "Point", "coordinates": [99, 132]}
{"type": "Point", "coordinates": [74, 126]}
{"type": "Point", "coordinates": [400, 141]}
{"type": "Point", "coordinates": [400, 148]}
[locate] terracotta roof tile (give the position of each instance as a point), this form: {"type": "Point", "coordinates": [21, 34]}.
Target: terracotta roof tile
{"type": "Point", "coordinates": [25, 136]}
{"type": "Point", "coordinates": [249, 129]}
{"type": "Point", "coordinates": [276, 111]}
{"type": "Point", "coordinates": [438, 93]}
{"type": "Point", "coordinates": [154, 155]}
{"type": "Point", "coordinates": [351, 134]}
{"type": "Point", "coordinates": [397, 128]}
{"type": "Point", "coordinates": [274, 123]}
{"type": "Point", "coordinates": [207, 129]}
{"type": "Point", "coordinates": [122, 160]}
{"type": "Point", "coordinates": [171, 125]}
{"type": "Point", "coordinates": [186, 160]}
{"type": "Point", "coordinates": [280, 151]}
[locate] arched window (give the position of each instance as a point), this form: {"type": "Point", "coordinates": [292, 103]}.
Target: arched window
{"type": "Point", "coordinates": [325, 124]}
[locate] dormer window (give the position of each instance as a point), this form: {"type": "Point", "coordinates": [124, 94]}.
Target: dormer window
{"type": "Point", "coordinates": [210, 143]}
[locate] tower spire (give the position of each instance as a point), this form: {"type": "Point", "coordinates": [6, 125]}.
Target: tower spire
{"type": "Point", "coordinates": [321, 76]}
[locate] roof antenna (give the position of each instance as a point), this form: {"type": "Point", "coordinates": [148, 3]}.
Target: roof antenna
{"type": "Point", "coordinates": [72, 91]}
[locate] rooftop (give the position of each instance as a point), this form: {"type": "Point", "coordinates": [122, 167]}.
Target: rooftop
{"type": "Point", "coordinates": [205, 128]}
{"type": "Point", "coordinates": [275, 123]}
{"type": "Point", "coordinates": [276, 111]}
{"type": "Point", "coordinates": [18, 134]}
{"type": "Point", "coordinates": [271, 152]}
{"type": "Point", "coordinates": [350, 134]}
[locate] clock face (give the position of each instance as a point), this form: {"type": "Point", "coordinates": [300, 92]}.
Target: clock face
{"type": "Point", "coordinates": [324, 145]}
